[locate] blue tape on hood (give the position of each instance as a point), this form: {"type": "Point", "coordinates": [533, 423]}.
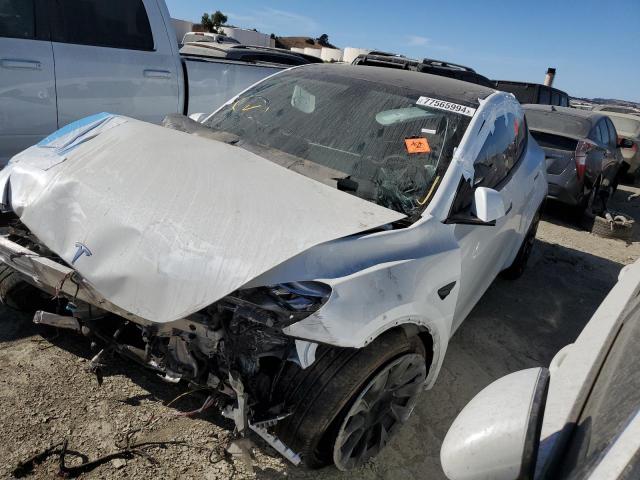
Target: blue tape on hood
{"type": "Point", "coordinates": [74, 134]}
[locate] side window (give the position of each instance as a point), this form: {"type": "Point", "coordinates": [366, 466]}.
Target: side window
{"type": "Point", "coordinates": [555, 98]}
{"type": "Point", "coordinates": [116, 23]}
{"type": "Point", "coordinates": [612, 403]}
{"type": "Point", "coordinates": [17, 19]}
{"type": "Point", "coordinates": [597, 134]}
{"type": "Point", "coordinates": [604, 132]}
{"type": "Point", "coordinates": [545, 96]}
{"type": "Point", "coordinates": [501, 151]}
{"type": "Point", "coordinates": [564, 101]}
{"type": "Point", "coordinates": [613, 135]}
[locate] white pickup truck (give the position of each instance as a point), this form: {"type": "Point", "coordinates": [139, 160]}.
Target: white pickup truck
{"type": "Point", "coordinates": [61, 60]}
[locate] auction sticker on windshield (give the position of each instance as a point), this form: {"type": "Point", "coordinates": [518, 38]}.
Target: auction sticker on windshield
{"type": "Point", "coordinates": [448, 106]}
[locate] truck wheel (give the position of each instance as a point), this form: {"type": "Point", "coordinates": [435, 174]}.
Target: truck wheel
{"type": "Point", "coordinates": [16, 293]}
{"type": "Point", "coordinates": [349, 402]}
{"type": "Point", "coordinates": [516, 269]}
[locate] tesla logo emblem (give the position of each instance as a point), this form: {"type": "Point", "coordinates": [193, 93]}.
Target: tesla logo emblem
{"type": "Point", "coordinates": [82, 250]}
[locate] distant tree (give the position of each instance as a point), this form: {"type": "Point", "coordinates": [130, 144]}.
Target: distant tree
{"type": "Point", "coordinates": [206, 22]}
{"type": "Point", "coordinates": [273, 35]}
{"type": "Point", "coordinates": [218, 18]}
{"type": "Point", "coordinates": [323, 39]}
{"type": "Point", "coordinates": [212, 22]}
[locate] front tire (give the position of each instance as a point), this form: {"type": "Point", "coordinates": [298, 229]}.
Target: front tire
{"type": "Point", "coordinates": [323, 396]}
{"type": "Point", "coordinates": [18, 294]}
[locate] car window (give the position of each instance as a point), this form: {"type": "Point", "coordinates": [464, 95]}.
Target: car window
{"type": "Point", "coordinates": [500, 151]}
{"type": "Point", "coordinates": [116, 23]}
{"type": "Point", "coordinates": [564, 100]}
{"type": "Point", "coordinates": [604, 132]}
{"type": "Point", "coordinates": [17, 19]}
{"type": "Point", "coordinates": [545, 96]}
{"type": "Point", "coordinates": [597, 134]}
{"type": "Point", "coordinates": [555, 98]}
{"type": "Point", "coordinates": [613, 136]}
{"type": "Point", "coordinates": [614, 399]}
{"type": "Point", "coordinates": [374, 141]}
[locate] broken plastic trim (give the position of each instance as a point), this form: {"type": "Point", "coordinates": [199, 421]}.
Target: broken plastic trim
{"type": "Point", "coordinates": [279, 305]}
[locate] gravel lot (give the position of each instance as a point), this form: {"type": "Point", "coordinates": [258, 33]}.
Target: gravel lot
{"type": "Point", "coordinates": [46, 396]}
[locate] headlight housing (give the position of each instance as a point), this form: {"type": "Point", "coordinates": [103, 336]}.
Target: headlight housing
{"type": "Point", "coordinates": [278, 305]}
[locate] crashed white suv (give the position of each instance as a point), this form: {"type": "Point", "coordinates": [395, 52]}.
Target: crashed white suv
{"type": "Point", "coordinates": [305, 252]}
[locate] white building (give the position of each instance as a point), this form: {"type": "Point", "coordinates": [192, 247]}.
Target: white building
{"type": "Point", "coordinates": [248, 37]}
{"type": "Point", "coordinates": [315, 52]}
{"type": "Point", "coordinates": [350, 53]}
{"type": "Point", "coordinates": [331, 54]}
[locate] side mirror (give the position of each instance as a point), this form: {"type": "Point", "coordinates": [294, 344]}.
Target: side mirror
{"type": "Point", "coordinates": [488, 204]}
{"type": "Point", "coordinates": [625, 143]}
{"type": "Point", "coordinates": [496, 435]}
{"type": "Point", "coordinates": [198, 117]}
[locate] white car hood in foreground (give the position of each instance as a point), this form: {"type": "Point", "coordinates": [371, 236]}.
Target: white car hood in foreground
{"type": "Point", "coordinates": [162, 223]}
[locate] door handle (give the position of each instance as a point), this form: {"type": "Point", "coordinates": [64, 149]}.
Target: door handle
{"type": "Point", "coordinates": [150, 73]}
{"type": "Point", "coordinates": [15, 63]}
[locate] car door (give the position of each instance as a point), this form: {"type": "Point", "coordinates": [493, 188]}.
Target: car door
{"type": "Point", "coordinates": [605, 154]}
{"type": "Point", "coordinates": [113, 57]}
{"type": "Point", "coordinates": [27, 84]}
{"type": "Point", "coordinates": [613, 141]}
{"type": "Point", "coordinates": [485, 248]}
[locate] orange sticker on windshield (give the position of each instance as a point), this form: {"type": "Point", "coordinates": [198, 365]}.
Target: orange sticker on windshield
{"type": "Point", "coordinates": [417, 145]}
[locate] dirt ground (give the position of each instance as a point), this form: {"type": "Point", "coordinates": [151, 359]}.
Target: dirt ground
{"type": "Point", "coordinates": [46, 395]}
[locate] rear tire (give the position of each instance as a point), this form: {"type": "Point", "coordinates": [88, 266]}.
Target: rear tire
{"type": "Point", "coordinates": [519, 264]}
{"type": "Point", "coordinates": [588, 201]}
{"type": "Point", "coordinates": [322, 395]}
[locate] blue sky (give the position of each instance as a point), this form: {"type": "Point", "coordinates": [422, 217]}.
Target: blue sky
{"type": "Point", "coordinates": [595, 45]}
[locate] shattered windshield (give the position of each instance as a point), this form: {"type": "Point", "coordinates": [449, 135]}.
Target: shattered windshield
{"type": "Point", "coordinates": [368, 139]}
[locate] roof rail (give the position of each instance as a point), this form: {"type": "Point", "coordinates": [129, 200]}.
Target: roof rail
{"type": "Point", "coordinates": [385, 54]}
{"type": "Point", "coordinates": [279, 51]}
{"type": "Point", "coordinates": [386, 59]}
{"type": "Point", "coordinates": [442, 63]}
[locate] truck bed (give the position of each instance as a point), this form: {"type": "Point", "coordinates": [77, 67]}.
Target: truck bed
{"type": "Point", "coordinates": [213, 81]}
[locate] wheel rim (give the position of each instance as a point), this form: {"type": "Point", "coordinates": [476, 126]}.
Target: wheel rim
{"type": "Point", "coordinates": [381, 407]}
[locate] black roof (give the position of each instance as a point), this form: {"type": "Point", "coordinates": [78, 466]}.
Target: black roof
{"type": "Point", "coordinates": [594, 116]}
{"type": "Point", "coordinates": [498, 83]}
{"type": "Point", "coordinates": [426, 65]}
{"type": "Point", "coordinates": [247, 53]}
{"type": "Point", "coordinates": [425, 83]}
{"type": "Point", "coordinates": [568, 121]}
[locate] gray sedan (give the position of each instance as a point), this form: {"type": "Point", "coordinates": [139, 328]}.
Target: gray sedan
{"type": "Point", "coordinates": [582, 152]}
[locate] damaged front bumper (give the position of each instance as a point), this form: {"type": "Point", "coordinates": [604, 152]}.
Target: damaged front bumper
{"type": "Point", "coordinates": [220, 349]}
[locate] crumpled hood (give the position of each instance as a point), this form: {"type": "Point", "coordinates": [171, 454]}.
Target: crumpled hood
{"type": "Point", "coordinates": [162, 223]}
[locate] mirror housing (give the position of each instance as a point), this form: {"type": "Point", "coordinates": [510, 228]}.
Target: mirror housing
{"type": "Point", "coordinates": [198, 117]}
{"type": "Point", "coordinates": [496, 435]}
{"type": "Point", "coordinates": [488, 204]}
{"type": "Point", "coordinates": [625, 143]}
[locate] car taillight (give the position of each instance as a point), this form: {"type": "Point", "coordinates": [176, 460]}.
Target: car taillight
{"type": "Point", "coordinates": [582, 149]}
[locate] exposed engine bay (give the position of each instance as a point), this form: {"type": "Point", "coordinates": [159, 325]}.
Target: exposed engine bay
{"type": "Point", "coordinates": [234, 348]}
